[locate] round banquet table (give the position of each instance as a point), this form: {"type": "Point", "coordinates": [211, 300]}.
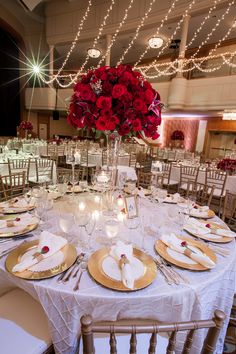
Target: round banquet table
{"type": "Point", "coordinates": [206, 291]}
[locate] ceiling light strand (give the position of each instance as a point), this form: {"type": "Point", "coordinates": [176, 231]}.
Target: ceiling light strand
{"type": "Point", "coordinates": [136, 32]}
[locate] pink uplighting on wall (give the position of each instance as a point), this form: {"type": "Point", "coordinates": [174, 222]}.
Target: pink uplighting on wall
{"type": "Point", "coordinates": [188, 126]}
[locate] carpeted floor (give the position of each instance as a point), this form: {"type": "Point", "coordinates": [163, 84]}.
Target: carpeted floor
{"type": "Point", "coordinates": [230, 339]}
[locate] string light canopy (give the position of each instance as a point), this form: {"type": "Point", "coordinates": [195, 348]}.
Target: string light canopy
{"type": "Point", "coordinates": [155, 42]}
{"type": "Point", "coordinates": [94, 53]}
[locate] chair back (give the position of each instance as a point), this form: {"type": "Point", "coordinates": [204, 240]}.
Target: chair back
{"type": "Point", "coordinates": [202, 194]}
{"type": "Point", "coordinates": [188, 173]}
{"type": "Point", "coordinates": [188, 155]}
{"type": "Point", "coordinates": [12, 185]}
{"type": "Point", "coordinates": [19, 165]}
{"type": "Point", "coordinates": [171, 156]}
{"type": "Point", "coordinates": [132, 160]}
{"type": "Point", "coordinates": [214, 325]}
{"type": "Point", "coordinates": [229, 210]}
{"type": "Point", "coordinates": [144, 179]}
{"type": "Point", "coordinates": [216, 178]}
{"type": "Point", "coordinates": [44, 170]}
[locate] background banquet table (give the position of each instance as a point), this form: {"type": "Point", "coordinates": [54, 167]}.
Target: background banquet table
{"type": "Point", "coordinates": [205, 292]}
{"type": "Point", "coordinates": [95, 158]}
{"type": "Point", "coordinates": [230, 184]}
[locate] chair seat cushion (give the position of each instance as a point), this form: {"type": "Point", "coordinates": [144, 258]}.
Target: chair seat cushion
{"type": "Point", "coordinates": [171, 181]}
{"type": "Point", "coordinates": [23, 323]}
{"type": "Point", "coordinates": [218, 193]}
{"type": "Point", "coordinates": [101, 343]}
{"type": "Point", "coordinates": [41, 179]}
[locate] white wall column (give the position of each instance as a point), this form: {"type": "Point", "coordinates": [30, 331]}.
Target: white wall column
{"type": "Point", "coordinates": [51, 60]}
{"type": "Point", "coordinates": [184, 36]}
{"type": "Point", "coordinates": [108, 57]}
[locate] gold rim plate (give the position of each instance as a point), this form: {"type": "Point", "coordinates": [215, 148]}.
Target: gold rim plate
{"type": "Point", "coordinates": [214, 226]}
{"type": "Point", "coordinates": [161, 249]}
{"type": "Point", "coordinates": [96, 271]}
{"type": "Point", "coordinates": [9, 210]}
{"type": "Point", "coordinates": [23, 231]}
{"type": "Point", "coordinates": [14, 257]}
{"type": "Point", "coordinates": [210, 214]}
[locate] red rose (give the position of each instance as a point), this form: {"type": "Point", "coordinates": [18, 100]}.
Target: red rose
{"type": "Point", "coordinates": [149, 96]}
{"type": "Point", "coordinates": [124, 130]}
{"type": "Point", "coordinates": [107, 87]}
{"type": "Point", "coordinates": [104, 102]}
{"type": "Point", "coordinates": [139, 105]}
{"type": "Point", "coordinates": [45, 249]}
{"type": "Point", "coordinates": [101, 124]}
{"type": "Point", "coordinates": [85, 92]}
{"type": "Point", "coordinates": [136, 124]}
{"type": "Point", "coordinates": [118, 91]}
{"type": "Point", "coordinates": [112, 122]}
{"type": "Point", "coordinates": [17, 219]}
{"type": "Point", "coordinates": [107, 113]}
{"type": "Point", "coordinates": [208, 225]}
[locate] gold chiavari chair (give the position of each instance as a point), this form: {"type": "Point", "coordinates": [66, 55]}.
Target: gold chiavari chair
{"type": "Point", "coordinates": [19, 165]}
{"type": "Point", "coordinates": [44, 171]}
{"type": "Point", "coordinates": [167, 181]}
{"type": "Point", "coordinates": [132, 160]}
{"type": "Point", "coordinates": [51, 152]}
{"type": "Point", "coordinates": [24, 325]}
{"type": "Point", "coordinates": [12, 185]}
{"type": "Point", "coordinates": [187, 174]}
{"type": "Point", "coordinates": [171, 156]}
{"type": "Point", "coordinates": [229, 210]}
{"type": "Point", "coordinates": [147, 338]}
{"type": "Point", "coordinates": [145, 179]}
{"type": "Point", "coordinates": [201, 193]}
{"type": "Point", "coordinates": [216, 178]}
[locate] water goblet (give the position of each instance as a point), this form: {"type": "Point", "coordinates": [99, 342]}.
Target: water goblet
{"type": "Point", "coordinates": [112, 229]}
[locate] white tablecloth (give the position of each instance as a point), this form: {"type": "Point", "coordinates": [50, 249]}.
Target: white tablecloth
{"type": "Point", "coordinates": [230, 184]}
{"type": "Point", "coordinates": [206, 292]}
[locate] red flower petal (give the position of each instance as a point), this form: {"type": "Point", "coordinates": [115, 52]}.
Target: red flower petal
{"type": "Point", "coordinates": [184, 244]}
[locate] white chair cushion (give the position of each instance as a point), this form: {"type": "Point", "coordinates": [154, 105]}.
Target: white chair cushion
{"type": "Point", "coordinates": [23, 324]}
{"type": "Point", "coordinates": [101, 344]}
{"type": "Point", "coordinates": [217, 193]}
{"type": "Point", "coordinates": [171, 181]}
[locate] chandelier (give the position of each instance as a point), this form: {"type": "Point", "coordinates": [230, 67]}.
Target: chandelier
{"type": "Point", "coordinates": [155, 42]}
{"type": "Point", "coordinates": [94, 53]}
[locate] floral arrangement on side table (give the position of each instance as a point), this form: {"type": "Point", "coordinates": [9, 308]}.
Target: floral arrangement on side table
{"type": "Point", "coordinates": [177, 135]}
{"type": "Point", "coordinates": [115, 99]}
{"type": "Point", "coordinates": [26, 125]}
{"type": "Point", "coordinates": [227, 165]}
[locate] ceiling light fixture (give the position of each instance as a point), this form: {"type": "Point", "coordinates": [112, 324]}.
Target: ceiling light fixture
{"type": "Point", "coordinates": [229, 115]}
{"type": "Point", "coordinates": [94, 53]}
{"type": "Point", "coordinates": [155, 42]}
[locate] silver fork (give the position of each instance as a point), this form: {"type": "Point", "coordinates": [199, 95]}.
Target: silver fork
{"type": "Point", "coordinates": [174, 272]}
{"type": "Point", "coordinates": [82, 270]}
{"type": "Point", "coordinates": [67, 274]}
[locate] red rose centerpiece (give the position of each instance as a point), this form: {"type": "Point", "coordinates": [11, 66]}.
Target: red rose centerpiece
{"type": "Point", "coordinates": [26, 126]}
{"type": "Point", "coordinates": [177, 136]}
{"type": "Point", "coordinates": [117, 101]}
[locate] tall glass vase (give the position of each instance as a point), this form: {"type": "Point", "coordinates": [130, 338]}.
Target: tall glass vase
{"type": "Point", "coordinates": [113, 147]}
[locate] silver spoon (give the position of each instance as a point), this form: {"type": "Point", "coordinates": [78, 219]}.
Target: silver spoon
{"type": "Point", "coordinates": [82, 270]}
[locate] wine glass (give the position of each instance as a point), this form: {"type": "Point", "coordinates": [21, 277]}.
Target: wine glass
{"type": "Point", "coordinates": [111, 228]}
{"type": "Point", "coordinates": [66, 222]}
{"type": "Point", "coordinates": [27, 192]}
{"type": "Point", "coordinates": [81, 219]}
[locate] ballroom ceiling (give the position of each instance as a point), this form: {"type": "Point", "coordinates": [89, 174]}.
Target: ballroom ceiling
{"type": "Point", "coordinates": [37, 11]}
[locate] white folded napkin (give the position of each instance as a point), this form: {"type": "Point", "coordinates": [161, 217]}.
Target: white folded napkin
{"type": "Point", "coordinates": [46, 239]}
{"type": "Point", "coordinates": [19, 203]}
{"type": "Point", "coordinates": [126, 272]}
{"type": "Point", "coordinates": [200, 211]}
{"type": "Point", "coordinates": [224, 232]}
{"type": "Point", "coordinates": [196, 227]}
{"type": "Point", "coordinates": [174, 243]}
{"type": "Point", "coordinates": [22, 220]}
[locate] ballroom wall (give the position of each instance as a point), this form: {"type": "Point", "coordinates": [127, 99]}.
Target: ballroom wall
{"type": "Point", "coordinates": [188, 126]}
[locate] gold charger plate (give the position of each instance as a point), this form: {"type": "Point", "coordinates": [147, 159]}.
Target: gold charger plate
{"type": "Point", "coordinates": [11, 210]}
{"type": "Point", "coordinates": [96, 271]}
{"type": "Point", "coordinates": [210, 214]}
{"type": "Point", "coordinates": [13, 258]}
{"type": "Point", "coordinates": [214, 226]}
{"type": "Point", "coordinates": [23, 231]}
{"type": "Point", "coordinates": [161, 249]}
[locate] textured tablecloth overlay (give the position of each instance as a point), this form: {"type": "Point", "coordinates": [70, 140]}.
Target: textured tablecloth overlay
{"type": "Point", "coordinates": [206, 292]}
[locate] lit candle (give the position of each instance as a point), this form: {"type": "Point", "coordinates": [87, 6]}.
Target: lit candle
{"type": "Point", "coordinates": [97, 199]}
{"type": "Point", "coordinates": [77, 157]}
{"type": "Point", "coordinates": [81, 206]}
{"type": "Point", "coordinates": [120, 201]}
{"type": "Point", "coordinates": [95, 215]}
